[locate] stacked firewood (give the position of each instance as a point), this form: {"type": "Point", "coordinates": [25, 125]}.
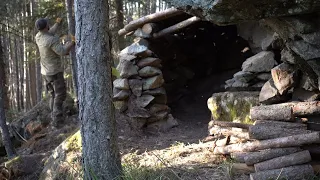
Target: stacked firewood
{"type": "Point", "coordinates": [275, 145]}
{"type": "Point", "coordinates": [138, 93]}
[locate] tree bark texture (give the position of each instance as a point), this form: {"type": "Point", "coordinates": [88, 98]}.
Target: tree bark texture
{"type": "Point", "coordinates": [290, 141]}
{"type": "Point", "coordinates": [256, 157]}
{"type": "Point", "coordinates": [272, 112]}
{"type": "Point", "coordinates": [3, 126]}
{"type": "Point", "coordinates": [96, 112]}
{"type": "Point", "coordinates": [292, 173]}
{"type": "Point", "coordinates": [284, 161]}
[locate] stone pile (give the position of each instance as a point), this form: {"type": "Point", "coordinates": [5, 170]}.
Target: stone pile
{"type": "Point", "coordinates": [138, 93]}
{"type": "Point", "coordinates": [255, 72]}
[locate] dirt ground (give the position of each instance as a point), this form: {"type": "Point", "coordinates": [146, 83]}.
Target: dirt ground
{"type": "Point", "coordinates": [182, 151]}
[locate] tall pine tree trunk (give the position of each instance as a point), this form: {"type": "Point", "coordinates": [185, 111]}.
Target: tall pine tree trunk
{"type": "Point", "coordinates": [16, 65]}
{"type": "Point", "coordinates": [3, 125]}
{"type": "Point", "coordinates": [153, 6]}
{"type": "Point", "coordinates": [96, 112]}
{"type": "Point", "coordinates": [72, 31]}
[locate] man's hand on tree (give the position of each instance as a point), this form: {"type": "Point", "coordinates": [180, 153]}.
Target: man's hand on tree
{"type": "Point", "coordinates": [58, 20]}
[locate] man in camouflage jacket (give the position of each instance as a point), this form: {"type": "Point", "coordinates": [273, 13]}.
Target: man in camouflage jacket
{"type": "Point", "coordinates": [50, 50]}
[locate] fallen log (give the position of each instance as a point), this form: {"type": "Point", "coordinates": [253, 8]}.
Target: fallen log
{"type": "Point", "coordinates": [262, 132]}
{"type": "Point", "coordinates": [176, 27]}
{"type": "Point", "coordinates": [133, 25]}
{"type": "Point", "coordinates": [272, 112]}
{"type": "Point", "coordinates": [293, 173]}
{"type": "Point", "coordinates": [287, 125]}
{"type": "Point", "coordinates": [284, 161]}
{"type": "Point", "coordinates": [290, 141]}
{"type": "Point", "coordinates": [229, 124]}
{"type": "Point", "coordinates": [256, 157]}
{"type": "Point", "coordinates": [141, 34]}
{"type": "Point", "coordinates": [228, 132]}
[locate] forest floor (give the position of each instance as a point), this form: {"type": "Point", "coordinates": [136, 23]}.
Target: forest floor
{"type": "Point", "coordinates": [183, 153]}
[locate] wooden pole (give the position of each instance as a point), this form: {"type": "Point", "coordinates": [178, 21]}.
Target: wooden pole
{"type": "Point", "coordinates": [272, 112]}
{"type": "Point", "coordinates": [229, 124]}
{"type": "Point", "coordinates": [176, 27]}
{"type": "Point", "coordinates": [133, 25]}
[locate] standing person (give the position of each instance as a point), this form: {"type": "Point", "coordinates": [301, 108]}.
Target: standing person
{"type": "Point", "coordinates": [50, 50]}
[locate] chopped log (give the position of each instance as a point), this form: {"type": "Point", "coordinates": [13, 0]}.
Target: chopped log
{"type": "Point", "coordinates": [284, 77]}
{"type": "Point", "coordinates": [279, 124]}
{"type": "Point", "coordinates": [239, 156]}
{"type": "Point", "coordinates": [256, 157]}
{"type": "Point", "coordinates": [176, 27]}
{"type": "Point", "coordinates": [141, 34]}
{"type": "Point", "coordinates": [133, 25]}
{"type": "Point", "coordinates": [241, 168]}
{"type": "Point", "coordinates": [306, 108]}
{"type": "Point", "coordinates": [272, 112]}
{"type": "Point", "coordinates": [314, 150]}
{"type": "Point", "coordinates": [290, 141]}
{"type": "Point", "coordinates": [229, 124]}
{"type": "Point", "coordinates": [298, 108]}
{"type": "Point", "coordinates": [228, 132]}
{"type": "Point", "coordinates": [293, 173]}
{"type": "Point", "coordinates": [150, 28]}
{"type": "Point", "coordinates": [262, 132]}
{"type": "Point", "coordinates": [284, 161]}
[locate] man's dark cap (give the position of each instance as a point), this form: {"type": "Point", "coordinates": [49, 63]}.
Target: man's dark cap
{"type": "Point", "coordinates": [41, 23]}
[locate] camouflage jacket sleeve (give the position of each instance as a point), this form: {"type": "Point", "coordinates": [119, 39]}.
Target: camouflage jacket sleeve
{"type": "Point", "coordinates": [57, 47]}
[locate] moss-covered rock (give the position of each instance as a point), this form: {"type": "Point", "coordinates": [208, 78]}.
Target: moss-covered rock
{"type": "Point", "coordinates": [64, 161]}
{"type": "Point", "coordinates": [233, 106]}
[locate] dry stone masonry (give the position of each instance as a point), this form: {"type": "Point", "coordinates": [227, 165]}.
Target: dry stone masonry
{"type": "Point", "coordinates": [138, 93]}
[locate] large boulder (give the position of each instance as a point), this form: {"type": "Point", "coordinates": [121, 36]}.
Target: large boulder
{"type": "Point", "coordinates": [232, 11]}
{"type": "Point", "coordinates": [233, 106]}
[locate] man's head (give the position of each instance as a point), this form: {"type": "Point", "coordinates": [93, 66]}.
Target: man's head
{"type": "Point", "coordinates": [42, 24]}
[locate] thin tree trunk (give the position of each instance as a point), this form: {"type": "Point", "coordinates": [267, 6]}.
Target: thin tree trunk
{"type": "Point", "coordinates": [3, 125]}
{"type": "Point", "coordinates": [17, 85]}
{"type": "Point", "coordinates": [153, 6]}
{"type": "Point", "coordinates": [96, 111]}
{"type": "Point", "coordinates": [72, 31]}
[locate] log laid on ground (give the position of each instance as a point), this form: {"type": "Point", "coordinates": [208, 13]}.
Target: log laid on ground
{"type": "Point", "coordinates": [241, 168]}
{"type": "Point", "coordinates": [267, 154]}
{"type": "Point", "coordinates": [135, 24]}
{"type": "Point", "coordinates": [290, 141]}
{"type": "Point", "coordinates": [262, 132]}
{"type": "Point", "coordinates": [228, 124]}
{"type": "Point", "coordinates": [272, 112]}
{"type": "Point", "coordinates": [293, 173]}
{"type": "Point", "coordinates": [287, 125]}
{"type": "Point", "coordinates": [141, 34]}
{"type": "Point", "coordinates": [239, 156]}
{"type": "Point", "coordinates": [298, 108]}
{"type": "Point", "coordinates": [284, 161]}
{"type": "Point", "coordinates": [229, 132]}
{"type": "Point", "coordinates": [176, 27]}
{"type": "Point", "coordinates": [306, 108]}
{"type": "Point", "coordinates": [150, 28]}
